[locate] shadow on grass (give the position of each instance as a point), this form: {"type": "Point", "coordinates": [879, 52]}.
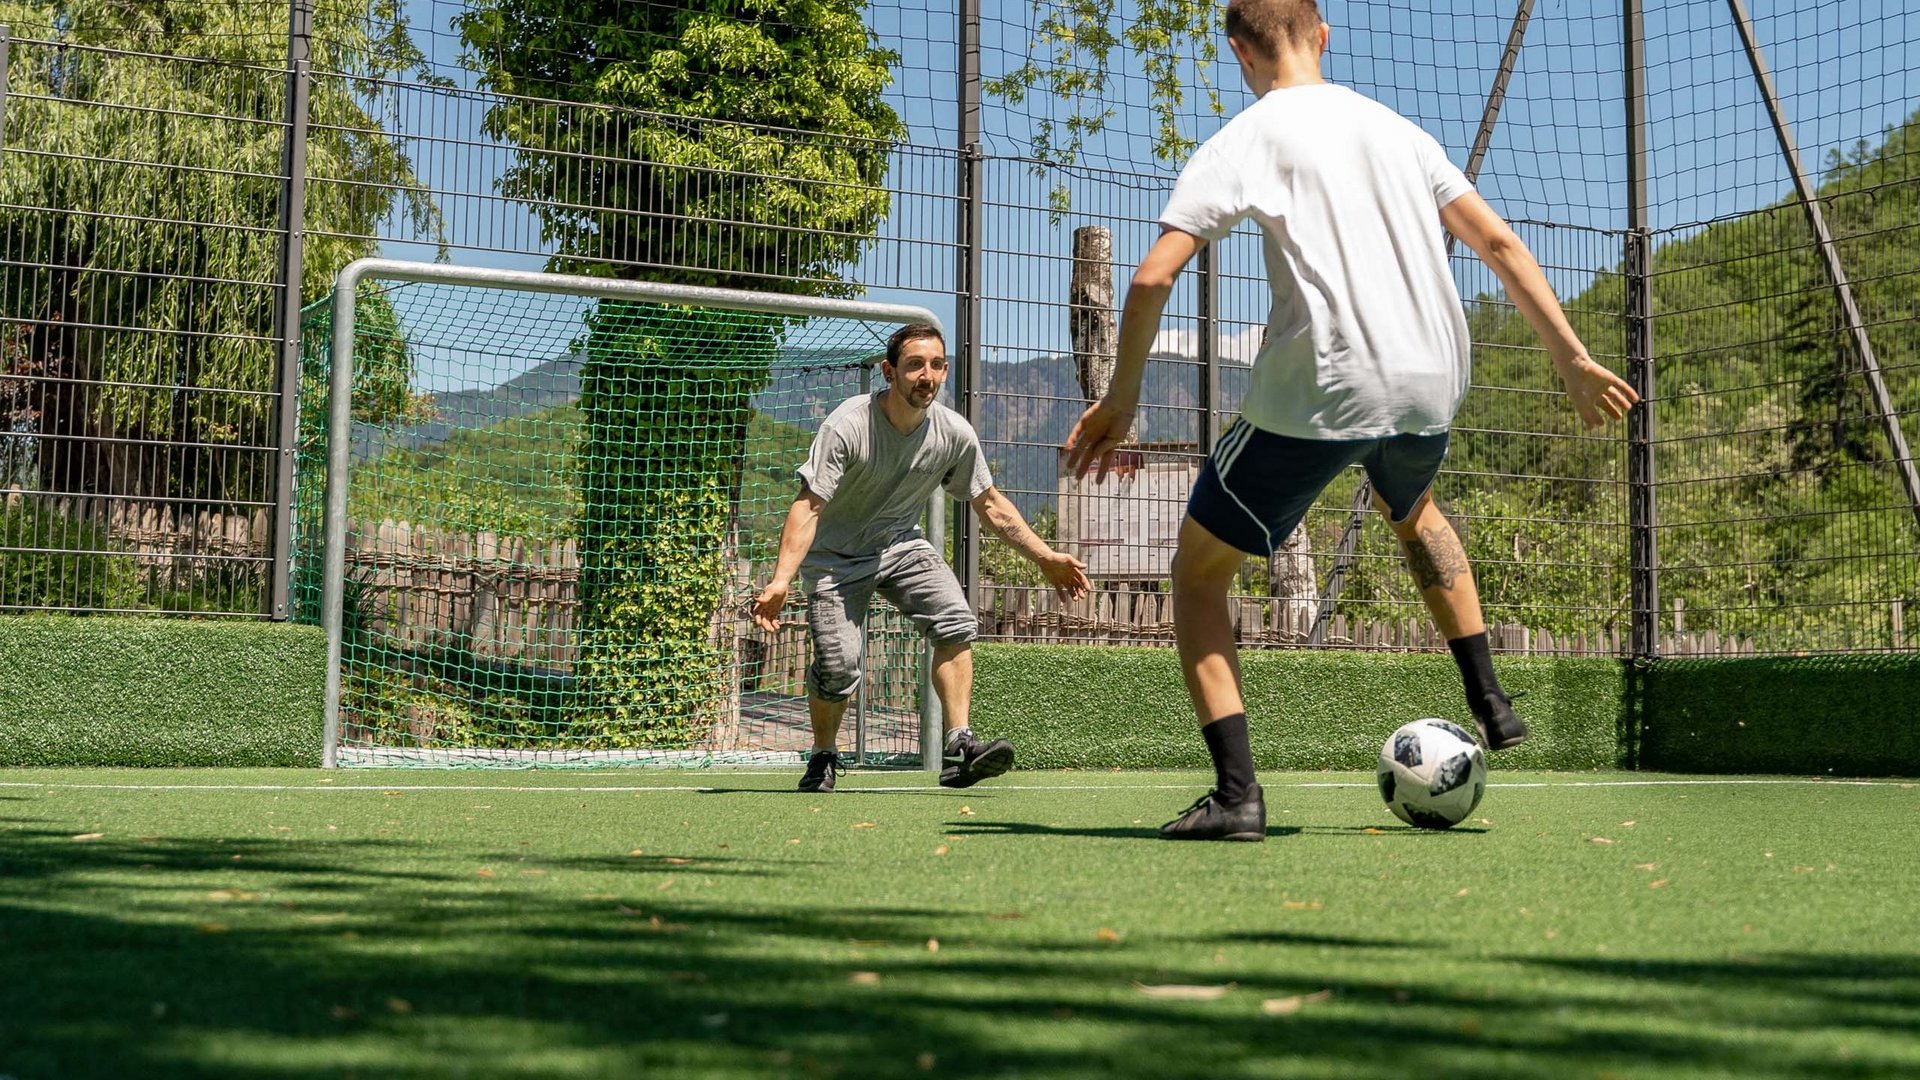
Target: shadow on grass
{"type": "Point", "coordinates": [1096, 832]}
{"type": "Point", "coordinates": [378, 958]}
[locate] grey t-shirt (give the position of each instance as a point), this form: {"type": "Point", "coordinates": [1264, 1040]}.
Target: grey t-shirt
{"type": "Point", "coordinates": [876, 481]}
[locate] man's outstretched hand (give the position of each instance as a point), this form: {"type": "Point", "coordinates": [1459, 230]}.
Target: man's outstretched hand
{"type": "Point", "coordinates": [1066, 574]}
{"type": "Point", "coordinates": [766, 606]}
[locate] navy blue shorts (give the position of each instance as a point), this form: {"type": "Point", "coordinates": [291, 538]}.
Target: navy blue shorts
{"type": "Point", "coordinates": [1257, 486]}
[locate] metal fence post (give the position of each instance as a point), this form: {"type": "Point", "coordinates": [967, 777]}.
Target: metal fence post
{"type": "Point", "coordinates": [966, 323]}
{"type": "Point", "coordinates": [293, 200]}
{"type": "Point", "coordinates": [1642, 509]}
{"type": "Point", "coordinates": [6, 40]}
{"type": "Point", "coordinates": [1856, 325]}
{"type": "Point", "coordinates": [1209, 348]}
{"type": "Point", "coordinates": [933, 724]}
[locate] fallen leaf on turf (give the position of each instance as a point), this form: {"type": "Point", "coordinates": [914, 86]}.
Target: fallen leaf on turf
{"type": "Point", "coordinates": [863, 978]}
{"type": "Point", "coordinates": [714, 1020]}
{"type": "Point", "coordinates": [933, 944]}
{"type": "Point", "coordinates": [863, 824]}
{"type": "Point", "coordinates": [1107, 935]}
{"type": "Point", "coordinates": [924, 1062]}
{"type": "Point", "coordinates": [1469, 1026]}
{"type": "Point", "coordinates": [1628, 824]}
{"type": "Point", "coordinates": [224, 895]}
{"type": "Point", "coordinates": [625, 910]}
{"type": "Point", "coordinates": [1656, 884]}
{"type": "Point", "coordinates": [1462, 892]}
{"type": "Point", "coordinates": [636, 852]}
{"type": "Point", "coordinates": [1300, 905]}
{"type": "Point", "coordinates": [1178, 992]}
{"type": "Point", "coordinates": [343, 1013]}
{"type": "Point", "coordinates": [324, 917]}
{"type": "Point", "coordinates": [665, 885]}
{"type": "Point", "coordinates": [1371, 831]}
{"type": "Point", "coordinates": [966, 811]}
{"type": "Point", "coordinates": [795, 840]}
{"type": "Point", "coordinates": [212, 928]}
{"type": "Point", "coordinates": [675, 860]}
{"type": "Point", "coordinates": [1646, 866]}
{"type": "Point", "coordinates": [484, 872]}
{"type": "Point", "coordinates": [1600, 840]}
{"type": "Point", "coordinates": [89, 836]}
{"type": "Point", "coordinates": [531, 873]}
{"type": "Point", "coordinates": [941, 850]}
{"type": "Point", "coordinates": [399, 1006]}
{"type": "Point", "coordinates": [1287, 1006]}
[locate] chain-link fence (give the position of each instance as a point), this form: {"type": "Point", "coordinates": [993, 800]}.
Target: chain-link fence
{"type": "Point", "coordinates": [165, 175]}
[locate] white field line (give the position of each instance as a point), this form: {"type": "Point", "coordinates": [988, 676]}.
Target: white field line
{"type": "Point", "coordinates": [642, 789]}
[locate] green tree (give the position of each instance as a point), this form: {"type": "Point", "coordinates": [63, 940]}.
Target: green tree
{"type": "Point", "coordinates": [733, 143]}
{"type": "Point", "coordinates": [1071, 58]}
{"type": "Point", "coordinates": [140, 191]}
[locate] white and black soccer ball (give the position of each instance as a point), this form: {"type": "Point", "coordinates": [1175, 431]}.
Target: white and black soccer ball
{"type": "Point", "coordinates": [1432, 773]}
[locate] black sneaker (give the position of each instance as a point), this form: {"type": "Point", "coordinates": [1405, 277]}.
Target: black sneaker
{"type": "Point", "coordinates": [821, 769]}
{"type": "Point", "coordinates": [1208, 819]}
{"type": "Point", "coordinates": [971, 761]}
{"type": "Point", "coordinates": [1500, 728]}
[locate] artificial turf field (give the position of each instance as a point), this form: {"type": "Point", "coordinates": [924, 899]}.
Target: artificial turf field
{"type": "Point", "coordinates": [717, 924]}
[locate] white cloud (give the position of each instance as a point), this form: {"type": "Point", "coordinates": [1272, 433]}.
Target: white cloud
{"type": "Point", "coordinates": [1237, 345]}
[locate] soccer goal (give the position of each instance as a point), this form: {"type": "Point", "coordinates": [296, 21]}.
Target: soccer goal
{"type": "Point", "coordinates": [532, 511]}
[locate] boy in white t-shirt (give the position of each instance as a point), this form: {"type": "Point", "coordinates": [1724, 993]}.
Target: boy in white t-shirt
{"type": "Point", "coordinates": [1364, 362]}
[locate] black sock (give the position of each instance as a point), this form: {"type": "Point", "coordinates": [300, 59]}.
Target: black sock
{"type": "Point", "coordinates": [1232, 758]}
{"type": "Point", "coordinates": [1476, 670]}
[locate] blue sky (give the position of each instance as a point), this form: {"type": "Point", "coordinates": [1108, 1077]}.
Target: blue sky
{"type": "Point", "coordinates": [1843, 68]}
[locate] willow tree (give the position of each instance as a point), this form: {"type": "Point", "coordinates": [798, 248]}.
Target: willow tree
{"type": "Point", "coordinates": [139, 210]}
{"type": "Point", "coordinates": [734, 143]}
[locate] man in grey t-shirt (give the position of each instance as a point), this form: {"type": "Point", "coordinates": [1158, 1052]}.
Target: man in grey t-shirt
{"type": "Point", "coordinates": [854, 529]}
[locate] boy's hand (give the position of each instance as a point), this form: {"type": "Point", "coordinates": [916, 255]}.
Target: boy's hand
{"type": "Point", "coordinates": [1066, 574]}
{"type": "Point", "coordinates": [1598, 394]}
{"type": "Point", "coordinates": [766, 606]}
{"type": "Point", "coordinates": [1099, 431]}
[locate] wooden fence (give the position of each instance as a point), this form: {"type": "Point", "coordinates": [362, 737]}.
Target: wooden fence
{"type": "Point", "coordinates": [514, 600]}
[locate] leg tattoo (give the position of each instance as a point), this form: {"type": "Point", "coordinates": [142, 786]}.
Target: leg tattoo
{"type": "Point", "coordinates": [1436, 558]}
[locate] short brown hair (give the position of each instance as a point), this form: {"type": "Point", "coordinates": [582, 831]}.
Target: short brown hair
{"type": "Point", "coordinates": [917, 331]}
{"type": "Point", "coordinates": [1270, 25]}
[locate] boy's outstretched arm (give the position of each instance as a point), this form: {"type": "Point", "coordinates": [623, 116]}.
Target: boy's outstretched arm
{"type": "Point", "coordinates": [1598, 394]}
{"type": "Point", "coordinates": [1104, 425]}
{"type": "Point", "coordinates": [1066, 574]}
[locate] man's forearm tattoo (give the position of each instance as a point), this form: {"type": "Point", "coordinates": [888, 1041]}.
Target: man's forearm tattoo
{"type": "Point", "coordinates": [1436, 559]}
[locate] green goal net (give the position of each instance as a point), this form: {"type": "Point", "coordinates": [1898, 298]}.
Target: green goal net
{"type": "Point", "coordinates": [559, 507]}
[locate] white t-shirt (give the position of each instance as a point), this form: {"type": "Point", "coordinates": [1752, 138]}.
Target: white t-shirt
{"type": "Point", "coordinates": [1367, 337]}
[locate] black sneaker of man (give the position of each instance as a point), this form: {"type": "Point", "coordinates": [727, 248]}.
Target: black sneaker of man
{"type": "Point", "coordinates": [969, 761]}
{"type": "Point", "coordinates": [1499, 727]}
{"type": "Point", "coordinates": [822, 767]}
{"type": "Point", "coordinates": [1210, 819]}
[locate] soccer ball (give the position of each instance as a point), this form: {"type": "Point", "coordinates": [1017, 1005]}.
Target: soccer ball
{"type": "Point", "coordinates": [1432, 773]}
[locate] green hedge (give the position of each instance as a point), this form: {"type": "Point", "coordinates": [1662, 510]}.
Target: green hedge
{"type": "Point", "coordinates": [1099, 707]}
{"type": "Point", "coordinates": [1853, 715]}
{"type": "Point", "coordinates": [129, 691]}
